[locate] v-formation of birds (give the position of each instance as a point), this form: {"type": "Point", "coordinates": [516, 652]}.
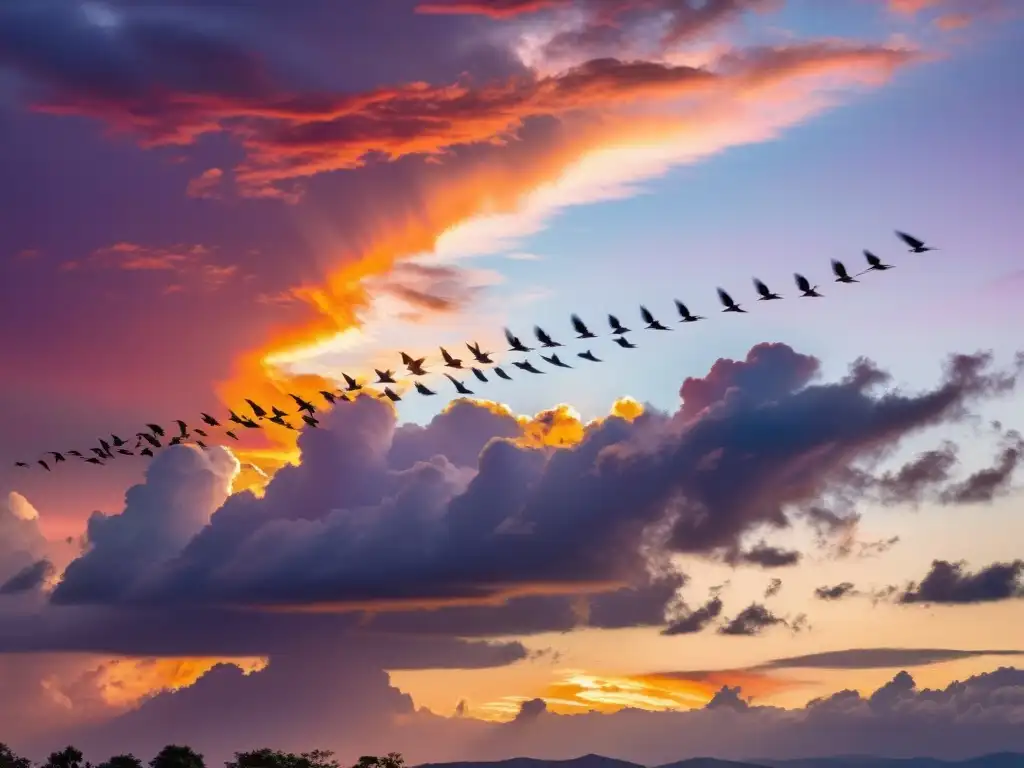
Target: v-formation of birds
{"type": "Point", "coordinates": [155, 436]}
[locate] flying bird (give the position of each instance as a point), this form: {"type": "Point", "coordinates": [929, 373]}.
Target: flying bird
{"type": "Point", "coordinates": [484, 358]}
{"type": "Point", "coordinates": [200, 432]}
{"type": "Point", "coordinates": [581, 328]}
{"type": "Point", "coordinates": [414, 364]}
{"type": "Point", "coordinates": [500, 373]}
{"type": "Point", "coordinates": [157, 430]}
{"type": "Point", "coordinates": [386, 376]}
{"type": "Point", "coordinates": [728, 303]}
{"type": "Point", "coordinates": [915, 245]}
{"type": "Point", "coordinates": [685, 316]}
{"type": "Point", "coordinates": [149, 439]}
{"type": "Point", "coordinates": [544, 338]}
{"type": "Point", "coordinates": [806, 289]}
{"type": "Point", "coordinates": [174, 441]}
{"type": "Point", "coordinates": [257, 409]}
{"type": "Point", "coordinates": [588, 355]}
{"type": "Point", "coordinates": [303, 405]}
{"type": "Point", "coordinates": [449, 361]}
{"type": "Point", "coordinates": [311, 420]}
{"type": "Point", "coordinates": [479, 374]}
{"type": "Point", "coordinates": [459, 386]}
{"type": "Point", "coordinates": [143, 452]}
{"type": "Point", "coordinates": [278, 413]}
{"type": "Point", "coordinates": [125, 452]}
{"type": "Point", "coordinates": [20, 464]}
{"type": "Point", "coordinates": [106, 447]}
{"type": "Point", "coordinates": [390, 395]}
{"type": "Point", "coordinates": [623, 342]}
{"type": "Point", "coordinates": [182, 429]}
{"type": "Point", "coordinates": [765, 293]}
{"type": "Point", "coordinates": [352, 384]}
{"type": "Point", "coordinates": [94, 461]}
{"type": "Point", "coordinates": [422, 389]}
{"type": "Point", "coordinates": [515, 345]}
{"type": "Point", "coordinates": [117, 441]}
{"type": "Point", "coordinates": [234, 417]}
{"type": "Point", "coordinates": [617, 327]}
{"type": "Point", "coordinates": [57, 457]}
{"type": "Point", "coordinates": [44, 465]}
{"type": "Point", "coordinates": [329, 397]}
{"type": "Point", "coordinates": [231, 434]}
{"type": "Point", "coordinates": [201, 444]}
{"type": "Point", "coordinates": [526, 365]}
{"type": "Point", "coordinates": [75, 453]}
{"type": "Point", "coordinates": [250, 424]}
{"type": "Point", "coordinates": [210, 421]}
{"type": "Point", "coordinates": [279, 420]}
{"type": "Point", "coordinates": [652, 324]}
{"type": "Point", "coordinates": [840, 272]}
{"type": "Point", "coordinates": [555, 361]}
{"type": "Point", "coordinates": [874, 263]}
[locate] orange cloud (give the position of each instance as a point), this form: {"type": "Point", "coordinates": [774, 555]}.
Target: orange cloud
{"type": "Point", "coordinates": [579, 692]}
{"type": "Point", "coordinates": [206, 185]}
{"type": "Point", "coordinates": [124, 683]}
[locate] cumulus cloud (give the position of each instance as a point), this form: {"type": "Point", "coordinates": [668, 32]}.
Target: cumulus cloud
{"type": "Point", "coordinates": [952, 583]}
{"type": "Point", "coordinates": [469, 531]}
{"type": "Point", "coordinates": [28, 578]}
{"type": "Point", "coordinates": [836, 592]}
{"type": "Point", "coordinates": [21, 541]}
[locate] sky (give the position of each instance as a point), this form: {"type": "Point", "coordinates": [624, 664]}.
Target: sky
{"type": "Point", "coordinates": [783, 533]}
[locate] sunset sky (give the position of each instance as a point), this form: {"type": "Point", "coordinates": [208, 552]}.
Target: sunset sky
{"type": "Point", "coordinates": [776, 534]}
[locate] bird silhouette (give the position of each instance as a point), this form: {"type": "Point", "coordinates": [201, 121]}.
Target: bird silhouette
{"type": "Point", "coordinates": [544, 338]}
{"type": "Point", "coordinates": [414, 364]}
{"type": "Point", "coordinates": [840, 272]}
{"type": "Point", "coordinates": [351, 384]}
{"type": "Point", "coordinates": [106, 447]}
{"type": "Point", "coordinates": [117, 441]}
{"type": "Point", "coordinates": [303, 405]}
{"type": "Point", "coordinates": [57, 457]}
{"type": "Point", "coordinates": [201, 444]}
{"type": "Point", "coordinates": [182, 429]}
{"type": "Point", "coordinates": [479, 374]}
{"type": "Point", "coordinates": [588, 355]}
{"type": "Point", "coordinates": [915, 245]}
{"type": "Point", "coordinates": [728, 303]}
{"type": "Point", "coordinates": [623, 342]}
{"type": "Point", "coordinates": [449, 361]}
{"type": "Point", "coordinates": [765, 293]}
{"type": "Point", "coordinates": [329, 397]}
{"type": "Point", "coordinates": [617, 327]}
{"type": "Point", "coordinates": [514, 344]}
{"type": "Point", "coordinates": [422, 389]}
{"type": "Point", "coordinates": [652, 323]}
{"type": "Point", "coordinates": [143, 452]}
{"type": "Point", "coordinates": [310, 420]}
{"type": "Point", "coordinates": [231, 434]}
{"type": "Point", "coordinates": [555, 361]}
{"type": "Point", "coordinates": [21, 464]}
{"type": "Point", "coordinates": [125, 452]}
{"type": "Point", "coordinates": [157, 430]}
{"type": "Point", "coordinates": [874, 263]}
{"type": "Point", "coordinates": [278, 413]}
{"type": "Point", "coordinates": [99, 452]}
{"type": "Point", "coordinates": [484, 358]}
{"type": "Point", "coordinates": [685, 316]}
{"type": "Point", "coordinates": [257, 409]}
{"type": "Point", "coordinates": [385, 377]}
{"type": "Point", "coordinates": [235, 418]}
{"type": "Point", "coordinates": [210, 421]}
{"type": "Point", "coordinates": [44, 465]}
{"type": "Point", "coordinates": [459, 386]}
{"type": "Point", "coordinates": [805, 288]}
{"type": "Point", "coordinates": [526, 365]}
{"type": "Point", "coordinates": [177, 440]}
{"type": "Point", "coordinates": [278, 418]}
{"type": "Point", "coordinates": [75, 453]}
{"type": "Point", "coordinates": [150, 439]}
{"type": "Point", "coordinates": [581, 328]}
{"type": "Point", "coordinates": [93, 461]}
{"type": "Point", "coordinates": [391, 395]}
{"type": "Point", "coordinates": [500, 373]}
{"type": "Point", "coordinates": [200, 432]}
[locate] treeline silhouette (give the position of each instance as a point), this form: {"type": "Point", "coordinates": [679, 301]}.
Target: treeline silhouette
{"type": "Point", "coordinates": [177, 756]}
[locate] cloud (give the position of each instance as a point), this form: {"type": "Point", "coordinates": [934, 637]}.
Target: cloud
{"type": "Point", "coordinates": [28, 578]}
{"type": "Point", "coordinates": [949, 583]}
{"type": "Point", "coordinates": [752, 620]}
{"type": "Point", "coordinates": [986, 484]}
{"type": "Point", "coordinates": [696, 620]}
{"type": "Point", "coordinates": [185, 262]}
{"type": "Point", "coordinates": [21, 541]}
{"type": "Point", "coordinates": [879, 658]}
{"type": "Point", "coordinates": [479, 531]}
{"type": "Point", "coordinates": [207, 184]}
{"type": "Point", "coordinates": [953, 14]}
{"type": "Point", "coordinates": [836, 592]}
{"type": "Point", "coordinates": [773, 588]}
{"type": "Point", "coordinates": [766, 556]}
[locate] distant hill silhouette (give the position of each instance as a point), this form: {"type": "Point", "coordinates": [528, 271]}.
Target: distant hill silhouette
{"type": "Point", "coordinates": [996, 760]}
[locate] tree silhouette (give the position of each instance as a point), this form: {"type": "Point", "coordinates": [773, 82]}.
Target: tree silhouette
{"type": "Point", "coordinates": [69, 757]}
{"type": "Point", "coordinates": [176, 756]}
{"type": "Point", "coordinates": [390, 760]}
{"type": "Point", "coordinates": [8, 759]}
{"type": "Point", "coordinates": [122, 761]}
{"type": "Point", "coordinates": [270, 758]}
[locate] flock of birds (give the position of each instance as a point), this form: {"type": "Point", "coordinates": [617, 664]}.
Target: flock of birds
{"type": "Point", "coordinates": [155, 436]}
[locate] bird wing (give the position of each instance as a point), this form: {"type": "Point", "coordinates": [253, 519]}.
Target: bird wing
{"type": "Point", "coordinates": [761, 287]}
{"type": "Point", "coordinates": [541, 334]}
{"type": "Point", "coordinates": [682, 309]}
{"type": "Point", "coordinates": [645, 313]}
{"type": "Point", "coordinates": [838, 269]}
{"type": "Point", "coordinates": [613, 321]}
{"type": "Point", "coordinates": [802, 283]}
{"type": "Point", "coordinates": [578, 325]}
{"type": "Point", "coordinates": [910, 240]}
{"type": "Point", "coordinates": [510, 338]}
{"type": "Point", "coordinates": [406, 360]}
{"type": "Point", "coordinates": [725, 297]}
{"type": "Point", "coordinates": [871, 259]}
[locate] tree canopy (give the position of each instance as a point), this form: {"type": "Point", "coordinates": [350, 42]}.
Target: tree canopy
{"type": "Point", "coordinates": [179, 756]}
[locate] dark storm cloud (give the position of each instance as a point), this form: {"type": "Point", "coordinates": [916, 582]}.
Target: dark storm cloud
{"type": "Point", "coordinates": [28, 578]}
{"type": "Point", "coordinates": [752, 620]}
{"type": "Point", "coordinates": [459, 529]}
{"type": "Point", "coordinates": [836, 592]}
{"type": "Point", "coordinates": [766, 556]}
{"type": "Point", "coordinates": [952, 583]}
{"type": "Point", "coordinates": [697, 619]}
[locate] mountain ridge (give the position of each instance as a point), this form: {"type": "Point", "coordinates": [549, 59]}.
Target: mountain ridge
{"type": "Point", "coordinates": [990, 760]}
